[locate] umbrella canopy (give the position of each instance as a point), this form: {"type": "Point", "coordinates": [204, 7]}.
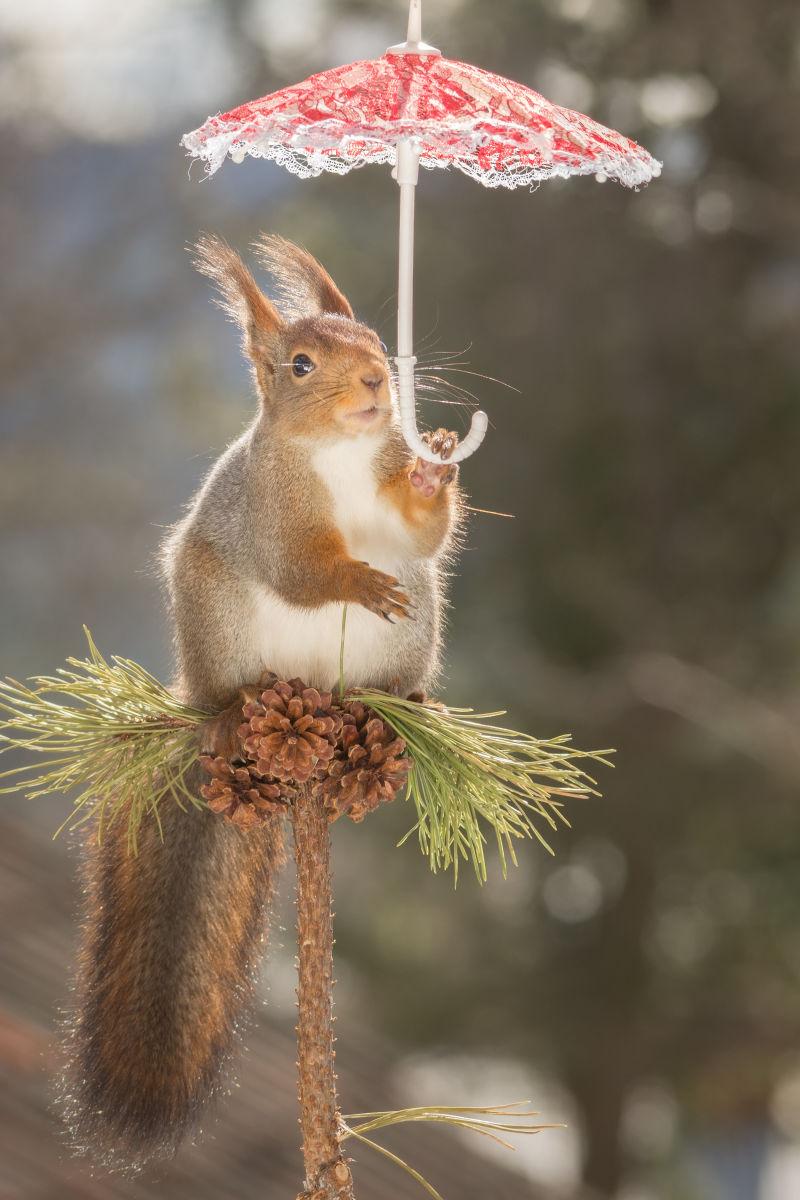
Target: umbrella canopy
{"type": "Point", "coordinates": [501, 133]}
{"type": "Point", "coordinates": [413, 108]}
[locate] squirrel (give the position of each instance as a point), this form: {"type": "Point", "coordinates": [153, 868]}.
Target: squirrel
{"type": "Point", "coordinates": [318, 504]}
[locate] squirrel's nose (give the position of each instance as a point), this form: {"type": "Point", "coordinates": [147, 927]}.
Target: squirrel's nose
{"type": "Point", "coordinates": [373, 381]}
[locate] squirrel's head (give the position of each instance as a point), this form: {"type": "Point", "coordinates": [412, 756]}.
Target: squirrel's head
{"type": "Point", "coordinates": [316, 368]}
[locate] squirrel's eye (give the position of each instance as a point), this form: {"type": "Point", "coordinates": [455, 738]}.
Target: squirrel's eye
{"type": "Point", "coordinates": [302, 365]}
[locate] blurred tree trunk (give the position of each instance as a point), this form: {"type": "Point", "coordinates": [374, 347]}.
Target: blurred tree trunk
{"type": "Point", "coordinates": [601, 1099]}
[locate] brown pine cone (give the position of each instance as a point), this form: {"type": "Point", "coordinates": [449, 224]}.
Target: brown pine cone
{"type": "Point", "coordinates": [240, 795]}
{"type": "Point", "coordinates": [369, 768]}
{"type": "Point", "coordinates": [290, 732]}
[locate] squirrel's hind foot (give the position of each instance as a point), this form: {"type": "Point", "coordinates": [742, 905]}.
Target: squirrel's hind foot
{"type": "Point", "coordinates": [219, 735]}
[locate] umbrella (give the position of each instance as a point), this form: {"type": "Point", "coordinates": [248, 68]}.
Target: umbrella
{"type": "Point", "coordinates": [412, 107]}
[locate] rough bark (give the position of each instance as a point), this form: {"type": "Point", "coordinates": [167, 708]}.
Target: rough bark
{"type": "Point", "coordinates": [327, 1173]}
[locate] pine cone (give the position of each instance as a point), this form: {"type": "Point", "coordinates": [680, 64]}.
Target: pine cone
{"type": "Point", "coordinates": [290, 733]}
{"type": "Point", "coordinates": [240, 795]}
{"type": "Point", "coordinates": [370, 765]}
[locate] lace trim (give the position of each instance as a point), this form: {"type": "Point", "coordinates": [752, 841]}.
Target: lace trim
{"type": "Point", "coordinates": [310, 152]}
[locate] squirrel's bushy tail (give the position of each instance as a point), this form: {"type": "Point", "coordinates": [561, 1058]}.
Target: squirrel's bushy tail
{"type": "Point", "coordinates": [170, 948]}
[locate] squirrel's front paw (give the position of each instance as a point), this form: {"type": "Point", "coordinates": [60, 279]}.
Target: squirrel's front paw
{"type": "Point", "coordinates": [378, 592]}
{"type": "Point", "coordinates": [430, 477]}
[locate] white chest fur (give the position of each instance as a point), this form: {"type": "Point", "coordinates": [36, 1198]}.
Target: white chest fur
{"type": "Point", "coordinates": [372, 528]}
{"type": "Point", "coordinates": [306, 642]}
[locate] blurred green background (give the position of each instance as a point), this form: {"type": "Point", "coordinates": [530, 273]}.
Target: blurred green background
{"type": "Point", "coordinates": [642, 985]}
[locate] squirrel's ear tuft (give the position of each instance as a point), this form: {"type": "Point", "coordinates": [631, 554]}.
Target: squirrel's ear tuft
{"type": "Point", "coordinates": [239, 294]}
{"type": "Point", "coordinates": [304, 287]}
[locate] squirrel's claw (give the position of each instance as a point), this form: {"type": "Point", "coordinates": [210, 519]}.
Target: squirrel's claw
{"type": "Point", "coordinates": [382, 594]}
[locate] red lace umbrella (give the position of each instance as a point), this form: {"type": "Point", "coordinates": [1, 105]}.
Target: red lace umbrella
{"type": "Point", "coordinates": [413, 108]}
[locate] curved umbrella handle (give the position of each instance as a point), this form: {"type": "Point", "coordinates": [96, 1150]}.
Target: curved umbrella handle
{"type": "Point", "coordinates": [408, 423]}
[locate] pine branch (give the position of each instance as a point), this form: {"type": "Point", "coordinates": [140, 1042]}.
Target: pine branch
{"type": "Point", "coordinates": [327, 1174]}
{"type": "Point", "coordinates": [110, 733]}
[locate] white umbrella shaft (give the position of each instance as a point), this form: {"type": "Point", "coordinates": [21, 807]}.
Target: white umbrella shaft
{"type": "Point", "coordinates": [406, 173]}
{"type": "Point", "coordinates": [415, 21]}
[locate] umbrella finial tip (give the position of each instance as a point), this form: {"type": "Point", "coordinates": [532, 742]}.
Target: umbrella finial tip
{"type": "Point", "coordinates": [414, 43]}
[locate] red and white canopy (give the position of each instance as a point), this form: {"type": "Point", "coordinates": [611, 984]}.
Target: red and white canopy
{"type": "Point", "coordinates": [501, 133]}
{"type": "Point", "coordinates": [413, 108]}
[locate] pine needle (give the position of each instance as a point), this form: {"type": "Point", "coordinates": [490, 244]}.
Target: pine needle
{"type": "Point", "coordinates": [488, 1122]}
{"type": "Point", "coordinates": [108, 732]}
{"type": "Point", "coordinates": [395, 1158]}
{"type": "Point", "coordinates": [471, 779]}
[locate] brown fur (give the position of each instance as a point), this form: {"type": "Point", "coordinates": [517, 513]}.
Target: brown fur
{"type": "Point", "coordinates": [172, 937]}
{"type": "Point", "coordinates": [263, 515]}
{"type": "Point", "coordinates": [170, 946]}
{"type": "Point", "coordinates": [303, 285]}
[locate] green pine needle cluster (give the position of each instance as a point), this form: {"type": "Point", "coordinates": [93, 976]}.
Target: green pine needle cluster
{"type": "Point", "coordinates": [471, 780]}
{"type": "Point", "coordinates": [108, 733]}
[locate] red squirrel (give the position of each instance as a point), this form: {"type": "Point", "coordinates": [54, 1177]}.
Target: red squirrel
{"type": "Point", "coordinates": [318, 504]}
